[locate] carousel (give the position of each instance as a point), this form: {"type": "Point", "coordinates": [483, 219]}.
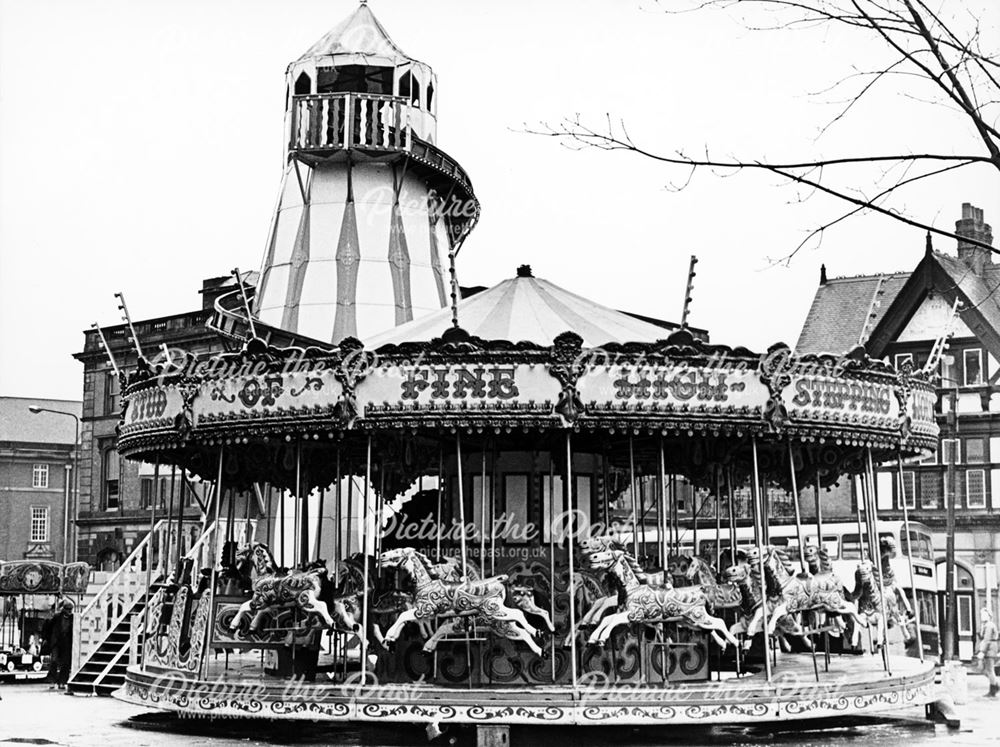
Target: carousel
{"type": "Point", "coordinates": [29, 591]}
{"type": "Point", "coordinates": [488, 531]}
{"type": "Point", "coordinates": [486, 512]}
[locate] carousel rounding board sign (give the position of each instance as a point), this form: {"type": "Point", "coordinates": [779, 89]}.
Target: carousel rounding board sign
{"type": "Point", "coordinates": [261, 394]}
{"type": "Point", "coordinates": [645, 387]}
{"type": "Point", "coordinates": [458, 386]}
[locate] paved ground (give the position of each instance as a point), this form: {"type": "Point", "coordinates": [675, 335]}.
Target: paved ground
{"type": "Point", "coordinates": [30, 714]}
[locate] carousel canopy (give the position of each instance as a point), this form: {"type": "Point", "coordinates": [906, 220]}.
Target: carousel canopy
{"type": "Point", "coordinates": [531, 309]}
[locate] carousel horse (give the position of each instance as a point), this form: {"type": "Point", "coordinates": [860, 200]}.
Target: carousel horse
{"type": "Point", "coordinates": [503, 628]}
{"type": "Point", "coordinates": [821, 569]}
{"type": "Point", "coordinates": [435, 596]}
{"type": "Point", "coordinates": [603, 604]}
{"type": "Point", "coordinates": [654, 604]}
{"type": "Point", "coordinates": [271, 588]}
{"type": "Point", "coordinates": [746, 577]}
{"type": "Point", "coordinates": [718, 596]}
{"type": "Point", "coordinates": [897, 607]}
{"type": "Point", "coordinates": [801, 593]}
{"type": "Point", "coordinates": [869, 602]}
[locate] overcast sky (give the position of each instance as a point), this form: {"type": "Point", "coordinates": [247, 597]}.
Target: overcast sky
{"type": "Point", "coordinates": [140, 150]}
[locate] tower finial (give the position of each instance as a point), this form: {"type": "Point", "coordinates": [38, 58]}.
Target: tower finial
{"type": "Point", "coordinates": [929, 246]}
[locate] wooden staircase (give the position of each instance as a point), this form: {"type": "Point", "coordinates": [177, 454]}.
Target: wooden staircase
{"type": "Point", "coordinates": [103, 671]}
{"type": "Point", "coordinates": [108, 634]}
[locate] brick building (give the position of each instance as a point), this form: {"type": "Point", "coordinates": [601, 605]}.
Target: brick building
{"type": "Point", "coordinates": [899, 316]}
{"type": "Point", "coordinates": [37, 453]}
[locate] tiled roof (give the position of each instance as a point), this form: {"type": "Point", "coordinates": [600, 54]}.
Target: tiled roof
{"type": "Point", "coordinates": [840, 309]}
{"type": "Point", "coordinates": [17, 423]}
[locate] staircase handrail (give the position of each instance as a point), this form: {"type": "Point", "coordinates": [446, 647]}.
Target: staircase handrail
{"type": "Point", "coordinates": [127, 565]}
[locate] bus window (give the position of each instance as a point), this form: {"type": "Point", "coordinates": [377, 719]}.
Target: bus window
{"type": "Point", "coordinates": [928, 608]}
{"type": "Point", "coordinates": [789, 544]}
{"type": "Point", "coordinates": [923, 548]}
{"type": "Point", "coordinates": [850, 547]}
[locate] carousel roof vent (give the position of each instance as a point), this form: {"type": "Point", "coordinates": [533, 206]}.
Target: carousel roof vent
{"type": "Point", "coordinates": [524, 271]}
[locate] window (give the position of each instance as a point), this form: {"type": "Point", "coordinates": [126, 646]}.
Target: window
{"type": "Point", "coordinates": [39, 523]}
{"type": "Point", "coordinates": [959, 486]}
{"type": "Point", "coordinates": [973, 367]}
{"type": "Point", "coordinates": [850, 547]}
{"type": "Point", "coordinates": [951, 451]}
{"type": "Point", "coordinates": [481, 501]}
{"type": "Point", "coordinates": [964, 614]}
{"type": "Point", "coordinates": [930, 489]}
{"type": "Point", "coordinates": [975, 450]}
{"type": "Point", "coordinates": [409, 87]}
{"type": "Point", "coordinates": [948, 373]}
{"type": "Point", "coordinates": [515, 506]}
{"type": "Point", "coordinates": [303, 85]}
{"type": "Point", "coordinates": [40, 476]}
{"type": "Point", "coordinates": [975, 488]}
{"type": "Point", "coordinates": [923, 547]}
{"type": "Point", "coordinates": [112, 394]}
{"type": "Point", "coordinates": [909, 491]}
{"type": "Point", "coordinates": [110, 474]}
{"type": "Point", "coordinates": [903, 358]}
{"type": "Point", "coordinates": [430, 96]}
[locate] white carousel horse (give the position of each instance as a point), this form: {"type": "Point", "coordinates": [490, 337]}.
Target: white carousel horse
{"type": "Point", "coordinates": [718, 596]}
{"type": "Point", "coordinates": [807, 593]}
{"type": "Point", "coordinates": [649, 604]}
{"type": "Point", "coordinates": [819, 565]}
{"type": "Point", "coordinates": [294, 588]}
{"type": "Point", "coordinates": [484, 599]}
{"type": "Point", "coordinates": [746, 577]}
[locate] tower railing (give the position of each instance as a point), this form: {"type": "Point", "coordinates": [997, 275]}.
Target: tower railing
{"type": "Point", "coordinates": [328, 122]}
{"type": "Point", "coordinates": [339, 121]}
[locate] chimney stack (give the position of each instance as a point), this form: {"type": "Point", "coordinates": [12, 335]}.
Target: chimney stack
{"type": "Point", "coordinates": [971, 226]}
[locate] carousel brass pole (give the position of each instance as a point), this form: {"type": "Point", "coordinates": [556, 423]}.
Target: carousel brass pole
{"type": "Point", "coordinates": [552, 557]}
{"type": "Point", "coordinates": [281, 521]}
{"type": "Point", "coordinates": [795, 502]}
{"type": "Point", "coordinates": [873, 521]}
{"type": "Point", "coordinates": [267, 510]}
{"type": "Point", "coordinates": [379, 508]}
{"type": "Point", "coordinates": [350, 509]}
{"type": "Point", "coordinates": [760, 518]}
{"type": "Point", "coordinates": [149, 548]}
{"type": "Point", "coordinates": [861, 482]}
{"type": "Point", "coordinates": [569, 548]}
{"type": "Point", "coordinates": [732, 515]}
{"type": "Point", "coordinates": [440, 492]}
{"type": "Point", "coordinates": [461, 517]}
{"type": "Point", "coordinates": [694, 522]}
{"type": "Point", "coordinates": [337, 539]}
{"type": "Point", "coordinates": [909, 553]}
{"type": "Point", "coordinates": [319, 523]}
{"type": "Point", "coordinates": [482, 515]}
{"type": "Point", "coordinates": [494, 483]}
{"type": "Point", "coordinates": [364, 538]}
{"type": "Point", "coordinates": [215, 564]}
{"type": "Point", "coordinates": [461, 506]}
{"type": "Point", "coordinates": [631, 490]}
{"type": "Point", "coordinates": [170, 520]}
{"type": "Point", "coordinates": [661, 519]}
{"type": "Point", "coordinates": [718, 519]}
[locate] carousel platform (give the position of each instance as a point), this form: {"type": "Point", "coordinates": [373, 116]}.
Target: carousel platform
{"type": "Point", "coordinates": [853, 686]}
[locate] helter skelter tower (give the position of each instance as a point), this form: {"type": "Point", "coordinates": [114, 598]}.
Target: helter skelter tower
{"type": "Point", "coordinates": [369, 207]}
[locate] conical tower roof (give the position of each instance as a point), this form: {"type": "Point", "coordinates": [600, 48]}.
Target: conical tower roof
{"type": "Point", "coordinates": [361, 35]}
{"type": "Point", "coordinates": [526, 308]}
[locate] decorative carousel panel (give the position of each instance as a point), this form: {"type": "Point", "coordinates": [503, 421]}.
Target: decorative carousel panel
{"type": "Point", "coordinates": [30, 577]}
{"type": "Point", "coordinates": [265, 393]}
{"type": "Point", "coordinates": [459, 386]}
